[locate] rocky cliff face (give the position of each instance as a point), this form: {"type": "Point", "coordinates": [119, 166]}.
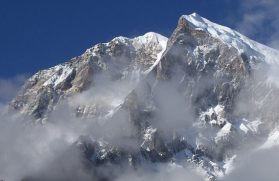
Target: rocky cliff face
{"type": "Point", "coordinates": [185, 99]}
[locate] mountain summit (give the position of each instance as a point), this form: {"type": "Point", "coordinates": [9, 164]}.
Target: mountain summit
{"type": "Point", "coordinates": [193, 100]}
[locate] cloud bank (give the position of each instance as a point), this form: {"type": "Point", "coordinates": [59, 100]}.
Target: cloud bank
{"type": "Point", "coordinates": [259, 19]}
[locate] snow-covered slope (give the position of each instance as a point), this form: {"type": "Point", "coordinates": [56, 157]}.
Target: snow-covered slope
{"type": "Point", "coordinates": [235, 39]}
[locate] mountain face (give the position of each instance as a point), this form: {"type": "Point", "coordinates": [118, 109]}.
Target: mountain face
{"type": "Point", "coordinates": [120, 59]}
{"type": "Point", "coordinates": [193, 99]}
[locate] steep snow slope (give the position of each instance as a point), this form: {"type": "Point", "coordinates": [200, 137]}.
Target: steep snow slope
{"type": "Point", "coordinates": [235, 39]}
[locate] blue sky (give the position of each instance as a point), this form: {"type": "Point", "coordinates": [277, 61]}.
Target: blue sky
{"type": "Point", "coordinates": [37, 34]}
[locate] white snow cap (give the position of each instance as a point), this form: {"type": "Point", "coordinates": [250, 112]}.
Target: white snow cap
{"type": "Point", "coordinates": [234, 39]}
{"type": "Point", "coordinates": [155, 38]}
{"type": "Point", "coordinates": [151, 37]}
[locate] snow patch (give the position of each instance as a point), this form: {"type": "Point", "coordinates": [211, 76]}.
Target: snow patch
{"type": "Point", "coordinates": [272, 140]}
{"type": "Point", "coordinates": [148, 136]}
{"type": "Point", "coordinates": [224, 132]}
{"type": "Point", "coordinates": [243, 128]}
{"type": "Point", "coordinates": [60, 74]}
{"type": "Point", "coordinates": [228, 164]}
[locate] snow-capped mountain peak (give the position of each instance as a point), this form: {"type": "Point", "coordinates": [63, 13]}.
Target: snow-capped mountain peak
{"type": "Point", "coordinates": [234, 38]}
{"type": "Point", "coordinates": [195, 98]}
{"type": "Point", "coordinates": [151, 37]}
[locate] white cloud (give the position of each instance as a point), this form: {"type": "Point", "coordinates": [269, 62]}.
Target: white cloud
{"type": "Point", "coordinates": [10, 86]}
{"type": "Point", "coordinates": [259, 165]}
{"type": "Point", "coordinates": [260, 19]}
{"type": "Point", "coordinates": [163, 173]}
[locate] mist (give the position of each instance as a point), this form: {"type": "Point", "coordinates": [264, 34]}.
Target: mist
{"type": "Point", "coordinates": [260, 19]}
{"type": "Point", "coordinates": [163, 173]}
{"type": "Point", "coordinates": [124, 121]}
{"type": "Point", "coordinates": [34, 151]}
{"type": "Point", "coordinates": [260, 164]}
{"type": "Point", "coordinates": [10, 86]}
